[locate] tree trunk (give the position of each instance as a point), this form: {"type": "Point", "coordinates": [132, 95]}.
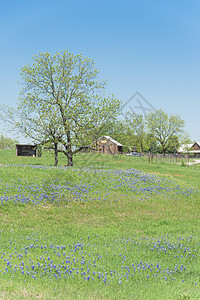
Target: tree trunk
{"type": "Point", "coordinates": [70, 159]}
{"type": "Point", "coordinates": [56, 153]}
{"type": "Point", "coordinates": [163, 149]}
{"type": "Point", "coordinates": [141, 145]}
{"type": "Point", "coordinates": [164, 152]}
{"type": "Point", "coordinates": [68, 147]}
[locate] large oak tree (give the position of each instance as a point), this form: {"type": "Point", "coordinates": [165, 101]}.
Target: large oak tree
{"type": "Point", "coordinates": [62, 100]}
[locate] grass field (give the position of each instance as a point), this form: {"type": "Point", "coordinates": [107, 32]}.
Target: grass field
{"type": "Point", "coordinates": [111, 227]}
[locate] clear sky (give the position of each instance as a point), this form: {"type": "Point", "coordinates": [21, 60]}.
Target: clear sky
{"type": "Point", "coordinates": [150, 46]}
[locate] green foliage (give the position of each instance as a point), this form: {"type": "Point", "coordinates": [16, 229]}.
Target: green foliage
{"type": "Point", "coordinates": [152, 145]}
{"type": "Point", "coordinates": [7, 143]}
{"type": "Point", "coordinates": [173, 145]}
{"type": "Point", "coordinates": [183, 164]}
{"type": "Point", "coordinates": [164, 128]}
{"type": "Point", "coordinates": [135, 125]}
{"type": "Point", "coordinates": [157, 133]}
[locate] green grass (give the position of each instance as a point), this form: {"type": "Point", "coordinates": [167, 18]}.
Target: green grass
{"type": "Point", "coordinates": [92, 213]}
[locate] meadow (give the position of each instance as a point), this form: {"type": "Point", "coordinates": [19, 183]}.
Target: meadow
{"type": "Point", "coordinates": [111, 227]}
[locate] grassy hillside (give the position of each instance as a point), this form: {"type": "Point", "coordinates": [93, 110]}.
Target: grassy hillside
{"type": "Point", "coordinates": [108, 228]}
{"type": "Point", "coordinates": [165, 167]}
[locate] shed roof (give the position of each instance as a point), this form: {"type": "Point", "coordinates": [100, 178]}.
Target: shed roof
{"type": "Point", "coordinates": [186, 148]}
{"type": "Point", "coordinates": [27, 145]}
{"type": "Point", "coordinates": [111, 139]}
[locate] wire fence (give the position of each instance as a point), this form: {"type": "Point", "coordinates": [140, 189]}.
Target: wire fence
{"type": "Point", "coordinates": [183, 160]}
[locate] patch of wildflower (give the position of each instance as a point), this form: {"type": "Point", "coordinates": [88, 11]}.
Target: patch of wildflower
{"type": "Point", "coordinates": [116, 262]}
{"type": "Point", "coordinates": [89, 185]}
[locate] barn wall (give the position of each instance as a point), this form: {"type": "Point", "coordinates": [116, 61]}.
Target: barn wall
{"type": "Point", "coordinates": [105, 146]}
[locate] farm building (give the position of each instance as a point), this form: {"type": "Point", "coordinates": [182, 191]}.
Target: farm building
{"type": "Point", "coordinates": [191, 149]}
{"type": "Point", "coordinates": [107, 145]}
{"type": "Point", "coordinates": [28, 150]}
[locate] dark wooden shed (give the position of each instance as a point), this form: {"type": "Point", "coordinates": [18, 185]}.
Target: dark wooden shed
{"type": "Point", "coordinates": [107, 145]}
{"type": "Point", "coordinates": [27, 150]}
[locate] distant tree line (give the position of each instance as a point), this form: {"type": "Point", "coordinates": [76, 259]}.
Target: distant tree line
{"type": "Point", "coordinates": [7, 142]}
{"type": "Point", "coordinates": [158, 132]}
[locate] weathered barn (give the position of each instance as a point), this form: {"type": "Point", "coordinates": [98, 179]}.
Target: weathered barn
{"type": "Point", "coordinates": [107, 145]}
{"type": "Point", "coordinates": [27, 150]}
{"type": "Point", "coordinates": [190, 149]}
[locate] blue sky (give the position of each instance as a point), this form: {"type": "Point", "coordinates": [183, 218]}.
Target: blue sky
{"type": "Point", "coordinates": [139, 45]}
